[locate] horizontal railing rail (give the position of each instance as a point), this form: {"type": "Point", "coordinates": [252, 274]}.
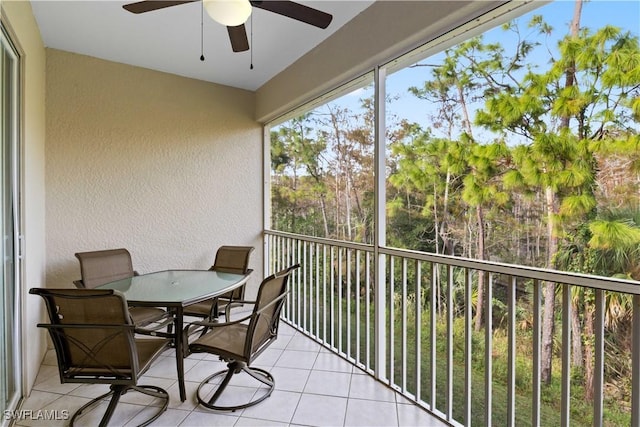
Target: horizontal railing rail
{"type": "Point", "coordinates": [565, 277]}
{"type": "Point", "coordinates": [433, 346]}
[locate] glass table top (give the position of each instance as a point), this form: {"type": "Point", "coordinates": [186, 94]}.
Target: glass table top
{"type": "Point", "coordinates": [176, 286]}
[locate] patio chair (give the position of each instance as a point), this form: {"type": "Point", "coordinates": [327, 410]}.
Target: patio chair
{"type": "Point", "coordinates": [239, 343]}
{"type": "Point", "coordinates": [100, 267]}
{"type": "Point", "coordinates": [229, 259]}
{"type": "Point", "coordinates": [93, 337]}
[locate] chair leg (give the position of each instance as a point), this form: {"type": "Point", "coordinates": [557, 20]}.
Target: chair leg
{"type": "Point", "coordinates": [264, 377]}
{"type": "Point", "coordinates": [119, 390]}
{"type": "Point", "coordinates": [154, 391]}
{"type": "Point", "coordinates": [116, 391]}
{"type": "Point", "coordinates": [233, 368]}
{"type": "Point", "coordinates": [210, 403]}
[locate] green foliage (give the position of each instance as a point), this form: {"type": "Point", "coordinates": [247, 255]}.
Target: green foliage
{"type": "Point", "coordinates": [608, 235]}
{"type": "Point", "coordinates": [544, 173]}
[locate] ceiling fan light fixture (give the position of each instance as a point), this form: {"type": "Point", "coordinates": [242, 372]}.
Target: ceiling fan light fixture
{"type": "Point", "coordinates": [228, 12]}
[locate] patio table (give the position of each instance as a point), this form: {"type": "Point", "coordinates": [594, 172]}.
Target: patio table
{"type": "Point", "coordinates": [176, 289]}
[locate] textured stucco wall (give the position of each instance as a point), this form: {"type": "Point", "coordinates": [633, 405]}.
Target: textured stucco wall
{"type": "Point", "coordinates": [17, 16]}
{"type": "Point", "coordinates": [168, 167]}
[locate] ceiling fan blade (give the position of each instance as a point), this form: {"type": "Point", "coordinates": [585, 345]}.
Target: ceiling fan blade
{"type": "Point", "coordinates": [150, 5]}
{"type": "Point", "coordinates": [238, 38]}
{"type": "Point", "coordinates": [296, 11]}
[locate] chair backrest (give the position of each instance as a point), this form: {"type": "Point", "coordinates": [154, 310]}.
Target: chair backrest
{"type": "Point", "coordinates": [263, 325]}
{"type": "Point", "coordinates": [92, 334]}
{"type": "Point", "coordinates": [233, 259]}
{"type": "Point", "coordinates": [100, 267]}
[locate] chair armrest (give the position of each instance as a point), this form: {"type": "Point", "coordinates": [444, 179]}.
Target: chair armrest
{"type": "Point", "coordinates": [240, 301]}
{"type": "Point", "coordinates": [163, 322]}
{"type": "Point", "coordinates": [153, 329]}
{"type": "Point", "coordinates": [192, 326]}
{"type": "Point", "coordinates": [218, 324]}
{"type": "Point", "coordinates": [234, 303]}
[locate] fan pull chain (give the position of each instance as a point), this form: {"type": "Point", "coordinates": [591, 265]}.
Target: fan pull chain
{"type": "Point", "coordinates": [202, 31]}
{"type": "Point", "coordinates": [251, 47]}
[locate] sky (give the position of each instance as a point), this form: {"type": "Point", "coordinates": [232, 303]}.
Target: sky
{"type": "Point", "coordinates": [595, 14]}
{"type": "Point", "coordinates": [624, 14]}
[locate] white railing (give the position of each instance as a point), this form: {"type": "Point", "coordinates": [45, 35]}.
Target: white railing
{"type": "Point", "coordinates": [405, 317]}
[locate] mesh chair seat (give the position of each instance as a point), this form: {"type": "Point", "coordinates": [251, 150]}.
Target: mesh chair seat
{"type": "Point", "coordinates": [200, 309]}
{"type": "Point", "coordinates": [94, 340]}
{"type": "Point", "coordinates": [239, 343]}
{"type": "Point", "coordinates": [228, 341]}
{"type": "Point", "coordinates": [144, 316]}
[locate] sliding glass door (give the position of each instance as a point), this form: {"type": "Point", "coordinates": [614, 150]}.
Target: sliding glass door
{"type": "Point", "coordinates": [10, 390]}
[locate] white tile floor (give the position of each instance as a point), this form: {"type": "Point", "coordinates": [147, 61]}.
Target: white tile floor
{"type": "Point", "coordinates": [314, 387]}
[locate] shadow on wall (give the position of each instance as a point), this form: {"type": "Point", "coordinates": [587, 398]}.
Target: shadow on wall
{"type": "Point", "coordinates": [62, 274]}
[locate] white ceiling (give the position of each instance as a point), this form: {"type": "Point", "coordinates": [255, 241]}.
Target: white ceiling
{"type": "Point", "coordinates": [169, 39]}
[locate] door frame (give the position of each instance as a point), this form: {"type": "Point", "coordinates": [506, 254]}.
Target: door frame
{"type": "Point", "coordinates": [16, 184]}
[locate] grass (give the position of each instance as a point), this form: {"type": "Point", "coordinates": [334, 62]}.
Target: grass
{"type": "Point", "coordinates": [581, 411]}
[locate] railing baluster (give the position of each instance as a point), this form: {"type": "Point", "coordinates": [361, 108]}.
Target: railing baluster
{"type": "Point", "coordinates": [324, 293]}
{"type": "Point", "coordinates": [340, 321]}
{"type": "Point", "coordinates": [277, 242]}
{"type": "Point", "coordinates": [274, 259]}
{"type": "Point", "coordinates": [511, 376]}
{"type": "Point", "coordinates": [274, 253]}
{"type": "Point", "coordinates": [282, 261]}
{"type": "Point", "coordinates": [367, 303]}
{"type": "Point", "coordinates": [418, 326]}
{"type": "Point", "coordinates": [309, 288]}
{"type": "Point", "coordinates": [295, 244]}
{"type": "Point", "coordinates": [566, 356]}
{"type": "Point", "coordinates": [305, 273]}
{"type": "Point", "coordinates": [488, 349]}
{"type": "Point", "coordinates": [433, 337]}
{"type": "Point", "coordinates": [449, 298]}
{"type": "Point", "coordinates": [268, 253]}
{"type": "Point", "coordinates": [315, 286]}
{"type": "Point", "coordinates": [278, 263]}
{"type": "Point", "coordinates": [348, 298]}
{"type": "Point", "coordinates": [358, 315]}
{"type": "Point", "coordinates": [535, 387]}
{"type": "Point", "coordinates": [635, 364]}
{"type": "Point", "coordinates": [598, 365]}
{"type": "Point", "coordinates": [403, 328]}
{"type": "Point", "coordinates": [298, 283]}
{"type": "Point", "coordinates": [286, 254]}
{"type": "Point", "coordinates": [332, 321]}
{"type": "Point", "coordinates": [392, 317]}
{"type": "Point", "coordinates": [468, 347]}
{"type": "Point", "coordinates": [316, 308]}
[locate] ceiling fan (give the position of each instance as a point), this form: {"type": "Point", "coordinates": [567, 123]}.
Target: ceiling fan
{"type": "Point", "coordinates": [238, 33]}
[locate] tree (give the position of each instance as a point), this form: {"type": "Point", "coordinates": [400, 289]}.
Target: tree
{"type": "Point", "coordinates": [453, 86]}
{"type": "Point", "coordinates": [296, 157]}
{"type": "Point", "coordinates": [564, 113]}
{"type": "Point", "coordinates": [483, 190]}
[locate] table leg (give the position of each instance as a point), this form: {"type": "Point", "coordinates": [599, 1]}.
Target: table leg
{"type": "Point", "coordinates": [180, 353]}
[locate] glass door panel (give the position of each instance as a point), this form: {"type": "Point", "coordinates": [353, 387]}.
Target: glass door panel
{"type": "Point", "coordinates": [9, 337]}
